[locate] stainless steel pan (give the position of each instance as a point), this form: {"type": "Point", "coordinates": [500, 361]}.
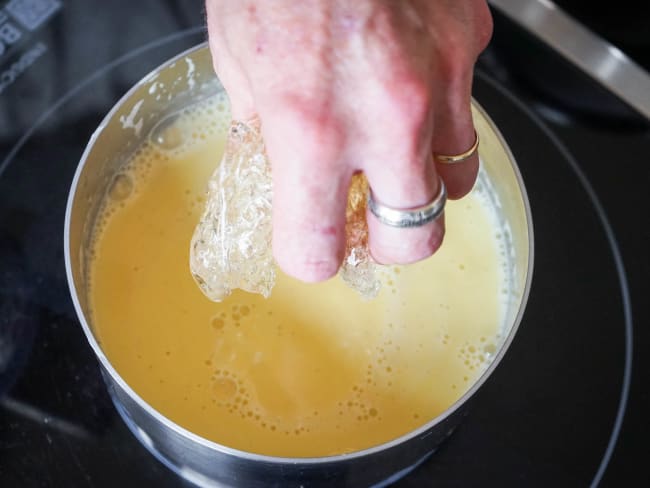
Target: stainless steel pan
{"type": "Point", "coordinates": [178, 83]}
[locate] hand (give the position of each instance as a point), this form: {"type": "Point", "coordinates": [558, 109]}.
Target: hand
{"type": "Point", "coordinates": [343, 86]}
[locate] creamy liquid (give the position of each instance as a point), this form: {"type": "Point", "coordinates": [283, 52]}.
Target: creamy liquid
{"type": "Point", "coordinates": [311, 371]}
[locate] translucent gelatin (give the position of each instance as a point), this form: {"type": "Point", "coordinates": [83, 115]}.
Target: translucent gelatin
{"type": "Point", "coordinates": [231, 246]}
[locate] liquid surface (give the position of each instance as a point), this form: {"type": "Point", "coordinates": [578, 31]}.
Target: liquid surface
{"type": "Point", "coordinates": [314, 370]}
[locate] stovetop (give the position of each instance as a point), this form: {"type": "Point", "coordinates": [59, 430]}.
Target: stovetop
{"type": "Point", "coordinates": [567, 405]}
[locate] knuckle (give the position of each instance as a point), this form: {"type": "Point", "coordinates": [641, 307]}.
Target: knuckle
{"type": "Point", "coordinates": [484, 34]}
{"type": "Point", "coordinates": [419, 245]}
{"type": "Point", "coordinates": [434, 241]}
{"type": "Point", "coordinates": [455, 61]}
{"type": "Point", "coordinates": [309, 251]}
{"type": "Point", "coordinates": [309, 268]}
{"type": "Point", "coordinates": [484, 26]}
{"type": "Point", "coordinates": [312, 122]}
{"type": "Point", "coordinates": [317, 269]}
{"type": "Point", "coordinates": [412, 99]}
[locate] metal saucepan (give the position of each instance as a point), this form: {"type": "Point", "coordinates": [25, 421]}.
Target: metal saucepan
{"type": "Point", "coordinates": [180, 82]}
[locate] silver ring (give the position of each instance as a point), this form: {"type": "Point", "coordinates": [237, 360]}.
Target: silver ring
{"type": "Point", "coordinates": [409, 217]}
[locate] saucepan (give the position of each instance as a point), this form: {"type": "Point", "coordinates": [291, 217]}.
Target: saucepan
{"type": "Point", "coordinates": [180, 82]}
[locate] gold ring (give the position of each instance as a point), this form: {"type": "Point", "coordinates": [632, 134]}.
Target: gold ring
{"type": "Point", "coordinates": [457, 158]}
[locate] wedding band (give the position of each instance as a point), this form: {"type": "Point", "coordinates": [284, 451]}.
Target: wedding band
{"type": "Point", "coordinates": [457, 158]}
{"type": "Point", "coordinates": [409, 217]}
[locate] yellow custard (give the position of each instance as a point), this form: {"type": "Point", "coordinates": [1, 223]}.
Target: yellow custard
{"type": "Point", "coordinates": [314, 370]}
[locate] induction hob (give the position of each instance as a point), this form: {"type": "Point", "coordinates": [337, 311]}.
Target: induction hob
{"type": "Point", "coordinates": [567, 405]}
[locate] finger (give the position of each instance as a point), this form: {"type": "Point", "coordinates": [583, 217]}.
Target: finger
{"type": "Point", "coordinates": [403, 188]}
{"type": "Point", "coordinates": [309, 192]}
{"type": "Point", "coordinates": [454, 134]}
{"type": "Point", "coordinates": [228, 70]}
{"type": "Point", "coordinates": [400, 171]}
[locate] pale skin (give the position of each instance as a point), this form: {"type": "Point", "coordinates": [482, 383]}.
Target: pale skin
{"type": "Point", "coordinates": [377, 86]}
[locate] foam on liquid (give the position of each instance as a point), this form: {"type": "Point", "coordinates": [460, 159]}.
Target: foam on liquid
{"type": "Point", "coordinates": [311, 371]}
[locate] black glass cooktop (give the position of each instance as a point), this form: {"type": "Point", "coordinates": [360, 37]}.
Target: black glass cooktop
{"type": "Point", "coordinates": [566, 407]}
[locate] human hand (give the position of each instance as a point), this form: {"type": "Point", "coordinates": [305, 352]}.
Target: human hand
{"type": "Point", "coordinates": [376, 86]}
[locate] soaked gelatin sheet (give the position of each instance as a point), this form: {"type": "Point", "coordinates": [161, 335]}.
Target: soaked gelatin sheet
{"type": "Point", "coordinates": [231, 246]}
{"type": "Point", "coordinates": [358, 269]}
